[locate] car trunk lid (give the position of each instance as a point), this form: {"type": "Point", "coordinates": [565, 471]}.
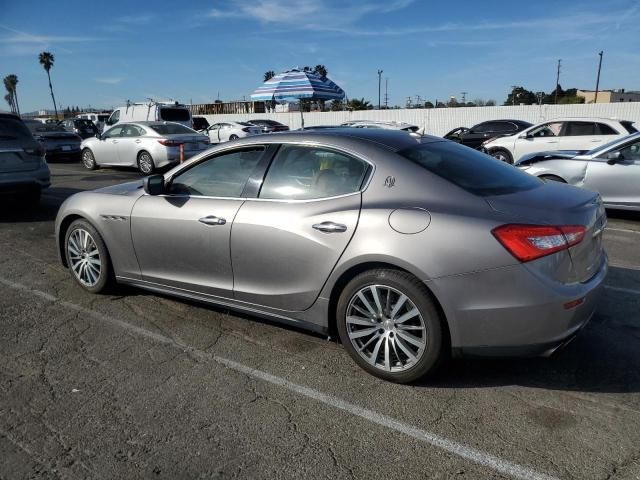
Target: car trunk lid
{"type": "Point", "coordinates": [561, 205]}
{"type": "Point", "coordinates": [19, 156]}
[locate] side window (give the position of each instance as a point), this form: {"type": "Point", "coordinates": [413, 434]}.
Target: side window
{"type": "Point", "coordinates": [113, 132]}
{"type": "Point", "coordinates": [503, 127]}
{"type": "Point", "coordinates": [579, 129]}
{"type": "Point", "coordinates": [302, 173]}
{"type": "Point", "coordinates": [215, 126]}
{"type": "Point", "coordinates": [481, 127]}
{"type": "Point", "coordinates": [604, 129]}
{"type": "Point", "coordinates": [224, 175]}
{"type": "Point", "coordinates": [552, 129]}
{"type": "Point", "coordinates": [113, 119]}
{"type": "Point", "coordinates": [131, 131]}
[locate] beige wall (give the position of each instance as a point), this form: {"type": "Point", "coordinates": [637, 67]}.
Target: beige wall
{"type": "Point", "coordinates": [608, 96]}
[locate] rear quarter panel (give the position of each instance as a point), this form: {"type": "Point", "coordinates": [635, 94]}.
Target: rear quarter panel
{"type": "Point", "coordinates": [571, 171]}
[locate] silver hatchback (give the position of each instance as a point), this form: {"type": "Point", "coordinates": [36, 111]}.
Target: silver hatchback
{"type": "Point", "coordinates": [145, 145]}
{"type": "Point", "coordinates": [408, 248]}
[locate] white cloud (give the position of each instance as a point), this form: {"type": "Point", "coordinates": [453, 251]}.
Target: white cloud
{"type": "Point", "coordinates": [109, 80]}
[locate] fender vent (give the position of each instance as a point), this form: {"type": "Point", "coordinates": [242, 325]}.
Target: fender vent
{"type": "Point", "coordinates": [117, 218]}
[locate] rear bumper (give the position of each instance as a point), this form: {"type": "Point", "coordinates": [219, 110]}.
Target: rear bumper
{"type": "Point", "coordinates": [511, 312]}
{"type": "Point", "coordinates": [13, 182]}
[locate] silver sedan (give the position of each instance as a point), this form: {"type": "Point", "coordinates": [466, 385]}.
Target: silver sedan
{"type": "Point", "coordinates": [145, 145]}
{"type": "Point", "coordinates": [612, 169]}
{"type": "Point", "coordinates": [408, 248]}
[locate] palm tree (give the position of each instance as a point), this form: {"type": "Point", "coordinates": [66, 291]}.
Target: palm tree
{"type": "Point", "coordinates": [9, 98]}
{"type": "Point", "coordinates": [358, 104]}
{"type": "Point", "coordinates": [46, 60]}
{"type": "Point", "coordinates": [11, 84]}
{"type": "Point", "coordinates": [268, 75]}
{"type": "Point", "coordinates": [321, 70]}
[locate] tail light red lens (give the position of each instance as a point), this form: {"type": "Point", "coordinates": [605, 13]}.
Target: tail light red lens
{"type": "Point", "coordinates": [39, 150]}
{"type": "Point", "coordinates": [169, 143]}
{"type": "Point", "coordinates": [529, 242]}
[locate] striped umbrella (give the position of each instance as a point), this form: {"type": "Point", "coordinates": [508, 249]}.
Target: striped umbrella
{"type": "Point", "coordinates": [295, 85]}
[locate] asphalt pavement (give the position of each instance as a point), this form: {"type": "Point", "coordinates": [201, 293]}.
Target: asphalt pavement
{"type": "Point", "coordinates": [137, 385]}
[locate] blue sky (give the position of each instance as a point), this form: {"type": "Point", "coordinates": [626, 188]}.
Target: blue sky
{"type": "Point", "coordinates": [108, 52]}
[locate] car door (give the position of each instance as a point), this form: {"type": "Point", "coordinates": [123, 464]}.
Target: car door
{"type": "Point", "coordinates": [579, 135]}
{"type": "Point", "coordinates": [214, 133]}
{"type": "Point", "coordinates": [224, 132]}
{"type": "Point", "coordinates": [542, 138]}
{"type": "Point", "coordinates": [476, 135]}
{"type": "Point", "coordinates": [285, 243]}
{"type": "Point", "coordinates": [127, 146]}
{"type": "Point", "coordinates": [105, 150]}
{"type": "Point", "coordinates": [182, 238]}
{"type": "Point", "coordinates": [617, 179]}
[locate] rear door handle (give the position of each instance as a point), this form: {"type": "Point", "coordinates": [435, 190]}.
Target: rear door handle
{"type": "Point", "coordinates": [212, 220]}
{"type": "Point", "coordinates": [138, 140]}
{"type": "Point", "coordinates": [330, 227]}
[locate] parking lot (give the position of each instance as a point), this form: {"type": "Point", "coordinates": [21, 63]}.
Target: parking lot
{"type": "Point", "coordinates": [137, 385]}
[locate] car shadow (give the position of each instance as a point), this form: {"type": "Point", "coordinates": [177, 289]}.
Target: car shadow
{"type": "Point", "coordinates": [624, 215]}
{"type": "Point", "coordinates": [604, 357]}
{"type": "Point", "coordinates": [14, 209]}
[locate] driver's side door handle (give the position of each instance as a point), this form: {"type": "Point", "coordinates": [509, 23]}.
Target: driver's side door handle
{"type": "Point", "coordinates": [330, 227]}
{"type": "Point", "coordinates": [212, 220]}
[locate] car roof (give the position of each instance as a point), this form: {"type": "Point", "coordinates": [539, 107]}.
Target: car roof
{"type": "Point", "coordinates": [9, 115]}
{"type": "Point", "coordinates": [585, 119]}
{"type": "Point", "coordinates": [394, 140]}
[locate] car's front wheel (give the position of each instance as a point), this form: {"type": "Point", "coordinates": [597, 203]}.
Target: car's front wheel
{"type": "Point", "coordinates": [88, 160]}
{"type": "Point", "coordinates": [389, 324]}
{"type": "Point", "coordinates": [87, 256]}
{"type": "Point", "coordinates": [502, 155]}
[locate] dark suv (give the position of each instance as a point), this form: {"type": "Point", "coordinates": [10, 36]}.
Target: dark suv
{"type": "Point", "coordinates": [474, 137]}
{"type": "Point", "coordinates": [23, 170]}
{"type": "Point", "coordinates": [81, 126]}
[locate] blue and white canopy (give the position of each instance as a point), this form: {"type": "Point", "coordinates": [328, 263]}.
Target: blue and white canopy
{"type": "Point", "coordinates": [296, 84]}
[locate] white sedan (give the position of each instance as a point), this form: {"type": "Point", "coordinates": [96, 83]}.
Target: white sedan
{"type": "Point", "coordinates": [226, 131]}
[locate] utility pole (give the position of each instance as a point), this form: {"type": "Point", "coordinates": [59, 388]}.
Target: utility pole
{"type": "Point", "coordinates": [386, 92]}
{"type": "Point", "coordinates": [379, 85]}
{"type": "Point", "coordinates": [558, 80]}
{"type": "Point", "coordinates": [513, 95]}
{"type": "Point", "coordinates": [464, 97]}
{"type": "Point", "coordinates": [595, 100]}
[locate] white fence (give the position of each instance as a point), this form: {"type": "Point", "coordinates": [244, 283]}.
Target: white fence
{"type": "Point", "coordinates": [439, 121]}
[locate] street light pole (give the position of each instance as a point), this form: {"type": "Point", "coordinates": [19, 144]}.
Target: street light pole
{"type": "Point", "coordinates": [558, 80]}
{"type": "Point", "coordinates": [379, 86]}
{"type": "Point", "coordinates": [595, 100]}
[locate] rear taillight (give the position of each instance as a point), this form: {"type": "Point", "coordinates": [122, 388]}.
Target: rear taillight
{"type": "Point", "coordinates": [169, 143]}
{"type": "Point", "coordinates": [528, 242]}
{"type": "Point", "coordinates": [39, 150]}
{"type": "Point", "coordinates": [246, 129]}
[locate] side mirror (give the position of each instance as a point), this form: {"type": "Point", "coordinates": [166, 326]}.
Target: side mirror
{"type": "Point", "coordinates": [98, 135]}
{"type": "Point", "coordinates": [154, 184]}
{"type": "Point", "coordinates": [613, 157]}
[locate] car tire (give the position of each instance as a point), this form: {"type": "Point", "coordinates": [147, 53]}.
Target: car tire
{"type": "Point", "coordinates": [87, 257]}
{"type": "Point", "coordinates": [233, 137]}
{"type": "Point", "coordinates": [502, 155]}
{"type": "Point", "coordinates": [145, 163]}
{"type": "Point", "coordinates": [88, 159]}
{"type": "Point", "coordinates": [552, 178]}
{"type": "Point", "coordinates": [386, 348]}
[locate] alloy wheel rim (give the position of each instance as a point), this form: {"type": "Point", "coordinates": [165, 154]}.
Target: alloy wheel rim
{"type": "Point", "coordinates": [386, 328]}
{"type": "Point", "coordinates": [84, 257]}
{"type": "Point", "coordinates": [87, 159]}
{"type": "Point", "coordinates": [145, 163]}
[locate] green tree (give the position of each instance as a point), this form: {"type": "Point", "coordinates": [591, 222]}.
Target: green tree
{"type": "Point", "coordinates": [46, 59]}
{"type": "Point", "coordinates": [337, 105]}
{"type": "Point", "coordinates": [359, 104]}
{"type": "Point", "coordinates": [490, 103]}
{"type": "Point", "coordinates": [268, 75]}
{"type": "Point", "coordinates": [321, 71]}
{"type": "Point", "coordinates": [9, 99]}
{"type": "Point", "coordinates": [428, 105]}
{"type": "Point", "coordinates": [11, 84]}
{"type": "Point", "coordinates": [521, 95]}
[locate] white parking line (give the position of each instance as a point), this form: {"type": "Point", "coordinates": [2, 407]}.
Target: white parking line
{"type": "Point", "coordinates": [468, 453]}
{"type": "Point", "coordinates": [626, 230]}
{"type": "Point", "coordinates": [623, 290]}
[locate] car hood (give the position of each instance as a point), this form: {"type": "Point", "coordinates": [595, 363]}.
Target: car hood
{"type": "Point", "coordinates": [130, 188]}
{"type": "Point", "coordinates": [551, 155]}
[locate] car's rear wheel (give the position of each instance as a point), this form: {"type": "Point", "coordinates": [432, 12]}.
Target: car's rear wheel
{"type": "Point", "coordinates": [502, 155]}
{"type": "Point", "coordinates": [552, 178]}
{"type": "Point", "coordinates": [233, 137]}
{"type": "Point", "coordinates": [88, 160]}
{"type": "Point", "coordinates": [145, 163]}
{"type": "Point", "coordinates": [389, 324]}
{"type": "Point", "coordinates": [87, 257]}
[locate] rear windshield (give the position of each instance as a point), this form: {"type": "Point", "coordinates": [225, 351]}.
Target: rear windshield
{"type": "Point", "coordinates": [246, 124]}
{"type": "Point", "coordinates": [629, 127]}
{"type": "Point", "coordinates": [412, 129]}
{"type": "Point", "coordinates": [13, 129]}
{"type": "Point", "coordinates": [85, 123]}
{"type": "Point", "coordinates": [45, 127]}
{"type": "Point", "coordinates": [470, 169]}
{"type": "Point", "coordinates": [175, 114]}
{"type": "Point", "coordinates": [171, 129]}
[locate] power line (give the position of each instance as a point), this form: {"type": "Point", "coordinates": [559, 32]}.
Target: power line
{"type": "Point", "coordinates": [386, 92]}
